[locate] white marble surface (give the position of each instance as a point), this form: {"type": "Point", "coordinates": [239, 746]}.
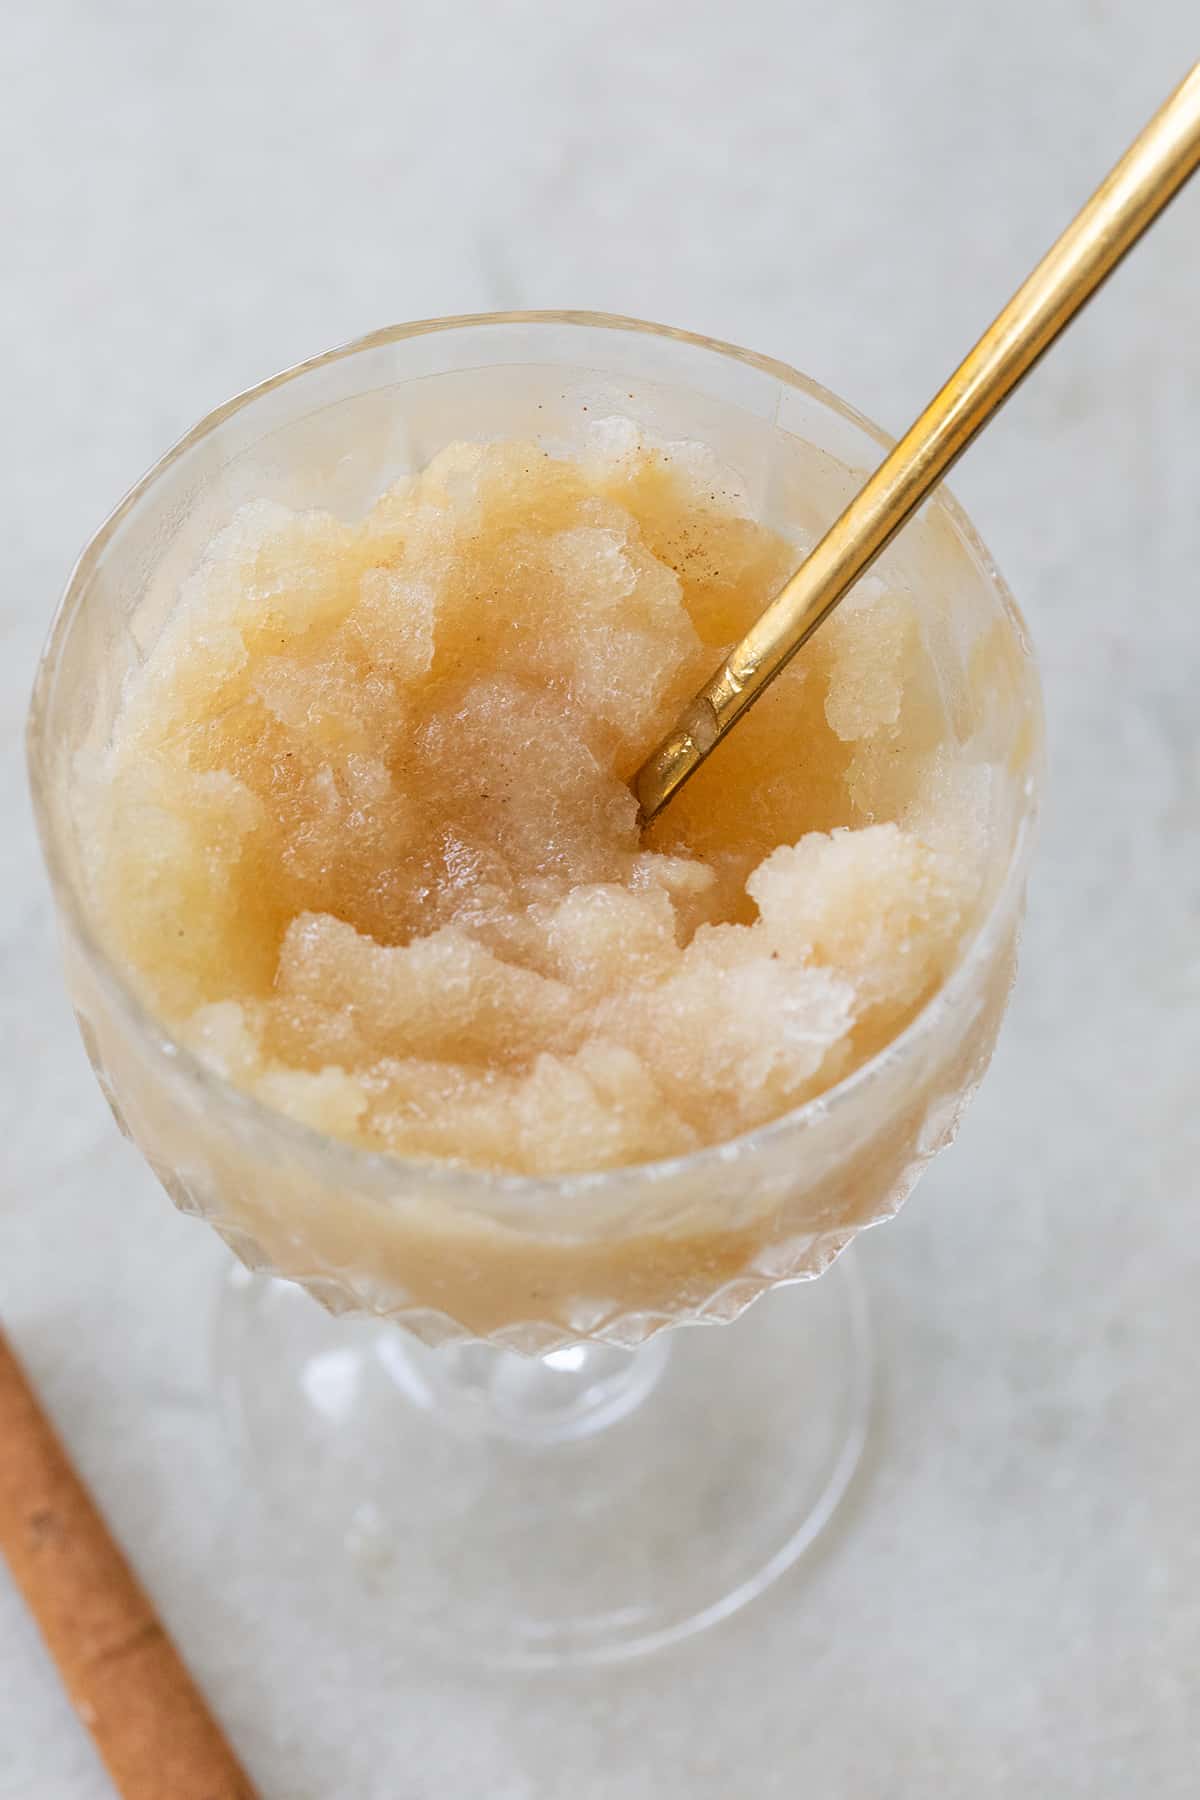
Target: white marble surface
{"type": "Point", "coordinates": [197, 195]}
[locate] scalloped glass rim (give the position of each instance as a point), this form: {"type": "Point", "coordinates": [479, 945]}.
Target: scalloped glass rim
{"type": "Point", "coordinates": [456, 1179]}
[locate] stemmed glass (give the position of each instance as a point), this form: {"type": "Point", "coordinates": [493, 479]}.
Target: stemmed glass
{"type": "Point", "coordinates": [485, 1418]}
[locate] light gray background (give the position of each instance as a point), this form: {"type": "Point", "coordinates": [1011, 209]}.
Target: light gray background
{"type": "Point", "coordinates": [198, 195]}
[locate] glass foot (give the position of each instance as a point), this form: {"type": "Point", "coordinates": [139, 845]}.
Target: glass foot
{"type": "Point", "coordinates": [582, 1507]}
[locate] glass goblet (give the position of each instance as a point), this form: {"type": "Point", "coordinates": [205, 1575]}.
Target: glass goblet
{"type": "Point", "coordinates": [485, 1418]}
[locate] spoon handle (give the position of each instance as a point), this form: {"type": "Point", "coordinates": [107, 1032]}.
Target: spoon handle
{"type": "Point", "coordinates": [1152, 170]}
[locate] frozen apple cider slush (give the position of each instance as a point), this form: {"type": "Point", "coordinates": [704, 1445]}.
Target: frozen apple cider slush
{"type": "Point", "coordinates": [366, 836]}
{"type": "Point", "coordinates": [362, 836]}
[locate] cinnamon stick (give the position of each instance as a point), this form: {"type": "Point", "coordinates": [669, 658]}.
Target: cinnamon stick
{"type": "Point", "coordinates": [125, 1678]}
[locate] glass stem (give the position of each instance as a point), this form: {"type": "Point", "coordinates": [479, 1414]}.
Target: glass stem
{"type": "Point", "coordinates": [483, 1390]}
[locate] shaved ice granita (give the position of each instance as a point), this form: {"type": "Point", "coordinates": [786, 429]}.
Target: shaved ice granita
{"type": "Point", "coordinates": [363, 830]}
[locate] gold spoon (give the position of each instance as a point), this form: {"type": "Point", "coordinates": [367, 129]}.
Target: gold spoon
{"type": "Point", "coordinates": [1150, 173]}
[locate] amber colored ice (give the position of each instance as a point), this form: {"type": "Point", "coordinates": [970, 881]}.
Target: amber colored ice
{"type": "Point", "coordinates": [364, 836]}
